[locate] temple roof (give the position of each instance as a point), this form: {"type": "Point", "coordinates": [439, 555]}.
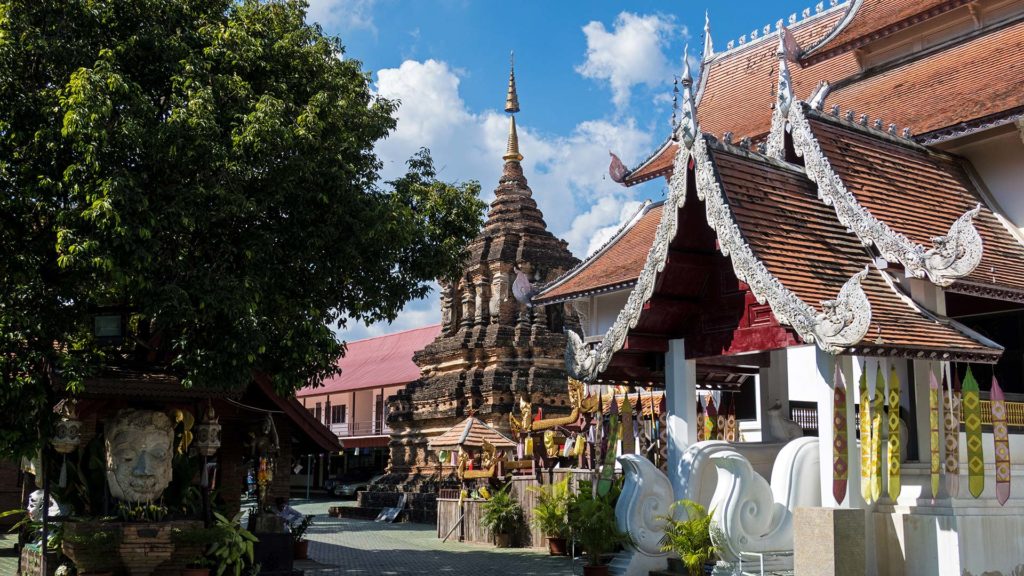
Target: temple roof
{"type": "Point", "coordinates": [869, 20]}
{"type": "Point", "coordinates": [926, 91]}
{"type": "Point", "coordinates": [802, 243]}
{"type": "Point", "coordinates": [737, 91]}
{"type": "Point", "coordinates": [471, 432]}
{"type": "Point", "coordinates": [614, 266]}
{"type": "Point", "coordinates": [376, 362]}
{"type": "Point", "coordinates": [931, 91]}
{"type": "Point", "coordinates": [919, 193]}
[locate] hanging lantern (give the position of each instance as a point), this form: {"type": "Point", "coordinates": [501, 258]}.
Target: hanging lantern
{"type": "Point", "coordinates": [67, 433]}
{"type": "Point", "coordinates": [207, 433]}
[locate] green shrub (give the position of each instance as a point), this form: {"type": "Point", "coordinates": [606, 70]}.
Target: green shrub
{"type": "Point", "coordinates": [689, 538]}
{"type": "Point", "coordinates": [592, 525]}
{"type": "Point", "coordinates": [502, 513]}
{"type": "Point", "coordinates": [552, 508]}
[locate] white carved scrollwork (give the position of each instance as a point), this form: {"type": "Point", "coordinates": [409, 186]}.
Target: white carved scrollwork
{"type": "Point", "coordinates": [843, 322]}
{"type": "Point", "coordinates": [753, 515]}
{"type": "Point", "coordinates": [646, 496]}
{"type": "Point", "coordinates": [954, 255]}
{"type": "Point", "coordinates": [584, 363]}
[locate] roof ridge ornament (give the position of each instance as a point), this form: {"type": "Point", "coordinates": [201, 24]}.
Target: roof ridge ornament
{"type": "Point", "coordinates": [709, 47]}
{"type": "Point", "coordinates": [952, 256]}
{"type": "Point", "coordinates": [783, 99]}
{"type": "Point", "coordinates": [686, 131]}
{"type": "Point", "coordinates": [675, 104]}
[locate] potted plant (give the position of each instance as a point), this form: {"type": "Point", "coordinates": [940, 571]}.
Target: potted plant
{"type": "Point", "coordinates": [592, 526]}
{"type": "Point", "coordinates": [235, 550]}
{"type": "Point", "coordinates": [689, 538]}
{"type": "Point", "coordinates": [198, 566]}
{"type": "Point", "coordinates": [298, 531]}
{"type": "Point", "coordinates": [502, 516]}
{"type": "Point", "coordinates": [549, 514]}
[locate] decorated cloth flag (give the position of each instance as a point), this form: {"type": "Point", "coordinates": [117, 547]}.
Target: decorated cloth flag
{"type": "Point", "coordinates": [876, 435]}
{"type": "Point", "coordinates": [700, 421]}
{"type": "Point", "coordinates": [711, 422]}
{"type": "Point", "coordinates": [1002, 441]}
{"type": "Point", "coordinates": [604, 484]}
{"type": "Point", "coordinates": [865, 436]}
{"type": "Point", "coordinates": [951, 403]}
{"type": "Point", "coordinates": [840, 457]}
{"type": "Point", "coordinates": [663, 434]}
{"type": "Point", "coordinates": [972, 425]}
{"type": "Point", "coordinates": [894, 434]}
{"type": "Point", "coordinates": [628, 440]}
{"type": "Point", "coordinates": [731, 433]}
{"type": "Point", "coordinates": [933, 428]}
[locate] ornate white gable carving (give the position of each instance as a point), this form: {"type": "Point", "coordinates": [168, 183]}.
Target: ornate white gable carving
{"type": "Point", "coordinates": [953, 256]}
{"type": "Point", "coordinates": [843, 322]}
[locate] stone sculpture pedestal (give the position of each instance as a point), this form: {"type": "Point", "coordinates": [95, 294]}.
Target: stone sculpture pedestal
{"type": "Point", "coordinates": [829, 542]}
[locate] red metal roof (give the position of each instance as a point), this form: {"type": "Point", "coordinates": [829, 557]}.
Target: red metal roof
{"type": "Point", "coordinates": [380, 361]}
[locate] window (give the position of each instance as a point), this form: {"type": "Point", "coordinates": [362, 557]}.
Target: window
{"type": "Point", "coordinates": [318, 412]}
{"type": "Point", "coordinates": [338, 414]}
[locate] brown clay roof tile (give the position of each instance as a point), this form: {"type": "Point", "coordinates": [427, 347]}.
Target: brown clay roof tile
{"type": "Point", "coordinates": [617, 264]}
{"type": "Point", "coordinates": [874, 19]}
{"type": "Point", "coordinates": [973, 79]}
{"type": "Point", "coordinates": [803, 244]}
{"type": "Point", "coordinates": [919, 194]}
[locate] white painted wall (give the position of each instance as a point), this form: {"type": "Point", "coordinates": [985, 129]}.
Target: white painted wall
{"type": "Point", "coordinates": [999, 161]}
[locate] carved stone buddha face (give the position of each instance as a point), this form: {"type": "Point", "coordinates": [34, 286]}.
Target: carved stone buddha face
{"type": "Point", "coordinates": [139, 446]}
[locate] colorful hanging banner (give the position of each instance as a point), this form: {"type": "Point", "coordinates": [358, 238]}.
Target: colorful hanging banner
{"type": "Point", "coordinates": [731, 433]}
{"type": "Point", "coordinates": [840, 456]}
{"type": "Point", "coordinates": [933, 439]}
{"type": "Point", "coordinates": [711, 422]}
{"type": "Point", "coordinates": [865, 436]}
{"type": "Point", "coordinates": [628, 440]}
{"type": "Point", "coordinates": [663, 434]}
{"type": "Point", "coordinates": [1002, 442]}
{"type": "Point", "coordinates": [894, 434]}
{"type": "Point", "coordinates": [604, 484]}
{"type": "Point", "coordinates": [876, 434]}
{"type": "Point", "coordinates": [972, 425]}
{"type": "Point", "coordinates": [951, 404]}
{"type": "Point", "coordinates": [700, 421]}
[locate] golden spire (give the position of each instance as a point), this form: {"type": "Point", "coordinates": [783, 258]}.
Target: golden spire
{"type": "Point", "coordinates": [512, 99]}
{"type": "Point", "coordinates": [512, 151]}
{"type": "Point", "coordinates": [512, 106]}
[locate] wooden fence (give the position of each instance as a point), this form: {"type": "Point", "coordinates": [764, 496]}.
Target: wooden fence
{"type": "Point", "coordinates": [471, 530]}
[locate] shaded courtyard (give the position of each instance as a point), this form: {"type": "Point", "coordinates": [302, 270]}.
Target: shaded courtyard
{"type": "Point", "coordinates": [346, 546]}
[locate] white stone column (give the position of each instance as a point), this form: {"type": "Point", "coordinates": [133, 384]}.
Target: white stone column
{"type": "Point", "coordinates": [680, 399]}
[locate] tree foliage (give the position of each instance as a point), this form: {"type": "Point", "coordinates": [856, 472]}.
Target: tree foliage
{"type": "Point", "coordinates": [209, 166]}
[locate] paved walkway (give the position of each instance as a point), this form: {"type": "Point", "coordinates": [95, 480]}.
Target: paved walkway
{"type": "Point", "coordinates": [344, 546]}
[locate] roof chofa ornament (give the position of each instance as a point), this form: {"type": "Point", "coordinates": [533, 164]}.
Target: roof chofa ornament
{"type": "Point", "coordinates": [686, 131]}
{"type": "Point", "coordinates": [952, 256]}
{"type": "Point", "coordinates": [783, 99]}
{"type": "Point", "coordinates": [709, 47]}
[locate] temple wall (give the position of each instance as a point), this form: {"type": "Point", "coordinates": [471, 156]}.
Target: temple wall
{"type": "Point", "coordinates": [997, 162]}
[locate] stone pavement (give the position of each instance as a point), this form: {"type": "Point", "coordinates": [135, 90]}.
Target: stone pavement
{"type": "Point", "coordinates": [8, 561]}
{"type": "Point", "coordinates": [344, 546]}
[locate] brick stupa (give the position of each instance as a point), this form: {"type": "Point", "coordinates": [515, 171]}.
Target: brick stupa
{"type": "Point", "coordinates": [493, 348]}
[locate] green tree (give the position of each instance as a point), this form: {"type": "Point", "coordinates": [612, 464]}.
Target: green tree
{"type": "Point", "coordinates": [209, 166]}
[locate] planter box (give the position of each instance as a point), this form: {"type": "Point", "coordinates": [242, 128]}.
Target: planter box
{"type": "Point", "coordinates": [142, 549]}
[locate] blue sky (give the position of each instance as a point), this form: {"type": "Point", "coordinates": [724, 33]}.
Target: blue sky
{"type": "Point", "coordinates": [592, 76]}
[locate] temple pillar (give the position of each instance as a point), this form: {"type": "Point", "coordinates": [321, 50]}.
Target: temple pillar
{"type": "Point", "coordinates": [680, 400]}
{"type": "Point", "coordinates": [773, 386]}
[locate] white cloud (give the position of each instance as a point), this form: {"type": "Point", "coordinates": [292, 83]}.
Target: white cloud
{"type": "Point", "coordinates": [567, 173]}
{"type": "Point", "coordinates": [342, 14]}
{"type": "Point", "coordinates": [630, 54]}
